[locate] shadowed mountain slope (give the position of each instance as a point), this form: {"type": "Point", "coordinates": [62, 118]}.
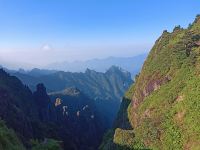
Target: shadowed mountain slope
{"type": "Point", "coordinates": [36, 116]}
{"type": "Point", "coordinates": [106, 89]}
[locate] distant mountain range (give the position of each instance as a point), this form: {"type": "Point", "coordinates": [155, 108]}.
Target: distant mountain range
{"type": "Point", "coordinates": [106, 89]}
{"type": "Point", "coordinates": [131, 64]}
{"type": "Point", "coordinates": [83, 103]}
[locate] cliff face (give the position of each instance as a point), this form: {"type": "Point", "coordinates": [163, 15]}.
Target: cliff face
{"type": "Point", "coordinates": [78, 121]}
{"type": "Point", "coordinates": [17, 106]}
{"type": "Point", "coordinates": [164, 101]}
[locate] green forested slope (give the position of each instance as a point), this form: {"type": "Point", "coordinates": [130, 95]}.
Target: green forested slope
{"type": "Point", "coordinates": [165, 100]}
{"type": "Point", "coordinates": [8, 139]}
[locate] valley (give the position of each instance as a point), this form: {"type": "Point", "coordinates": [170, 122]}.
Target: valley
{"type": "Point", "coordinates": [68, 110]}
{"type": "Point", "coordinates": [99, 75]}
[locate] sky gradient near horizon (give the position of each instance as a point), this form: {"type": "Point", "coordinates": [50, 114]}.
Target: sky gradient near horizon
{"type": "Point", "coordinates": [40, 32]}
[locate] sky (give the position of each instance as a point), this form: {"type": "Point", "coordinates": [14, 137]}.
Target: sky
{"type": "Point", "coordinates": [40, 32]}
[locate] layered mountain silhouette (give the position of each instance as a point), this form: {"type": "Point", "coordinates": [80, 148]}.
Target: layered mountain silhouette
{"type": "Point", "coordinates": [131, 64]}
{"type": "Point", "coordinates": [106, 89]}
{"type": "Point", "coordinates": [37, 116]}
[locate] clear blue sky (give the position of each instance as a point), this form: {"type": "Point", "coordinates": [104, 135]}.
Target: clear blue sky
{"type": "Point", "coordinates": [44, 31]}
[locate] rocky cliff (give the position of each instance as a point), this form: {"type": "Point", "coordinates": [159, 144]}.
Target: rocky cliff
{"type": "Point", "coordinates": [164, 101]}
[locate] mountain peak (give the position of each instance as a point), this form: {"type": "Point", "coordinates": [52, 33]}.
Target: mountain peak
{"type": "Point", "coordinates": [197, 19]}
{"type": "Point", "coordinates": [116, 69]}
{"type": "Point", "coordinates": [41, 87]}
{"type": "Point", "coordinates": [89, 71]}
{"type": "Point", "coordinates": [2, 72]}
{"type": "Point", "coordinates": [41, 96]}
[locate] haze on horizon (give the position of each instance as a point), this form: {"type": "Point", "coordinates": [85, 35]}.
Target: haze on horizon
{"type": "Point", "coordinates": [42, 32]}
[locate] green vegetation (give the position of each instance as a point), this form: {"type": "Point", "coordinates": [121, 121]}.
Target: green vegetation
{"type": "Point", "coordinates": [8, 139]}
{"type": "Point", "coordinates": [48, 144]}
{"type": "Point", "coordinates": [123, 137]}
{"type": "Point", "coordinates": [164, 112]}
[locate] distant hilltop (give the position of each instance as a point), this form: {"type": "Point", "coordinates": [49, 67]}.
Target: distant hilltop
{"type": "Point", "coordinates": [131, 64]}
